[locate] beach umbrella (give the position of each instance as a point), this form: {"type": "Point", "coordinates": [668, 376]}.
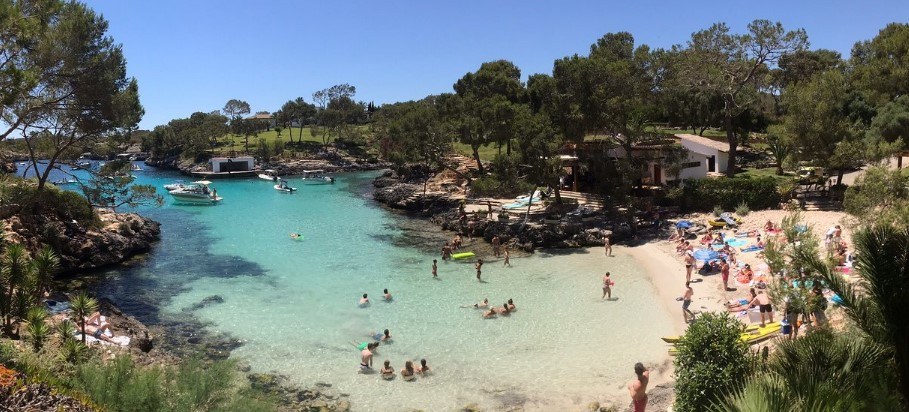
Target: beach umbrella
{"type": "Point", "coordinates": [683, 224]}
{"type": "Point", "coordinates": [705, 254]}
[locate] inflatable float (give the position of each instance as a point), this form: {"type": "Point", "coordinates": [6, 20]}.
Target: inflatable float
{"type": "Point", "coordinates": [462, 255]}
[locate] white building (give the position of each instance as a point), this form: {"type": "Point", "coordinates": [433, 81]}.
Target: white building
{"type": "Point", "coordinates": [704, 156]}
{"type": "Point", "coordinates": [232, 164]}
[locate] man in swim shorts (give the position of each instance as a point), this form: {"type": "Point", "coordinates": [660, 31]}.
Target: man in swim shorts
{"type": "Point", "coordinates": [446, 251]}
{"type": "Point", "coordinates": [366, 359]}
{"type": "Point", "coordinates": [479, 266]}
{"type": "Point", "coordinates": [686, 302]}
{"type": "Point", "coordinates": [495, 245]}
{"type": "Point", "coordinates": [762, 301]}
{"type": "Point", "coordinates": [638, 387]}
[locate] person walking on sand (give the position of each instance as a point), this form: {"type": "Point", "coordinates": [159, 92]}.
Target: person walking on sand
{"type": "Point", "coordinates": [479, 266]}
{"type": "Point", "coordinates": [607, 286]}
{"type": "Point", "coordinates": [435, 269]}
{"type": "Point", "coordinates": [496, 242]}
{"type": "Point", "coordinates": [638, 387]}
{"type": "Point", "coordinates": [724, 271]}
{"type": "Point", "coordinates": [689, 265]}
{"type": "Point", "coordinates": [507, 257]}
{"type": "Point", "coordinates": [607, 246]}
{"type": "Point", "coordinates": [686, 302]}
{"type": "Point", "coordinates": [762, 301]}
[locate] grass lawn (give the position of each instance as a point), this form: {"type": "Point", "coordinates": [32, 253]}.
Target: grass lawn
{"type": "Point", "coordinates": [487, 153]}
{"type": "Point", "coordinates": [235, 142]}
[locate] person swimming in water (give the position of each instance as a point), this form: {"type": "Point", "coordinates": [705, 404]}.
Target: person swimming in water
{"type": "Point", "coordinates": [383, 336]}
{"type": "Point", "coordinates": [407, 371]}
{"type": "Point", "coordinates": [423, 369]}
{"type": "Point", "coordinates": [295, 235]}
{"type": "Point", "coordinates": [511, 306]}
{"type": "Point", "coordinates": [491, 313]}
{"type": "Point", "coordinates": [479, 266]}
{"type": "Point", "coordinates": [504, 311]}
{"type": "Point", "coordinates": [482, 305]}
{"type": "Point", "coordinates": [387, 371]}
{"type": "Point", "coordinates": [386, 295]}
{"type": "Point", "coordinates": [364, 300]}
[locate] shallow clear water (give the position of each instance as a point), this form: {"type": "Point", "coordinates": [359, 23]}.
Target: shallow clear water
{"type": "Point", "coordinates": [294, 302]}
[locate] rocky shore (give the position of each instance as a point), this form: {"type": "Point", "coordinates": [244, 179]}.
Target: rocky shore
{"type": "Point", "coordinates": [442, 208]}
{"type": "Point", "coordinates": [332, 162]}
{"type": "Point", "coordinates": [80, 247]}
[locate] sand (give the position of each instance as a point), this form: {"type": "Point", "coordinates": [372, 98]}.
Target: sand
{"type": "Point", "coordinates": [667, 269]}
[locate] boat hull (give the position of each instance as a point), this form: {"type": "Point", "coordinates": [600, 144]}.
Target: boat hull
{"type": "Point", "coordinates": [193, 198]}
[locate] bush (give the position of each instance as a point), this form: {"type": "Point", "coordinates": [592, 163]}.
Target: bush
{"type": "Point", "coordinates": [711, 362]}
{"type": "Point", "coordinates": [742, 209]}
{"type": "Point", "coordinates": [490, 186]}
{"type": "Point", "coordinates": [704, 194]}
{"type": "Point", "coordinates": [717, 211]}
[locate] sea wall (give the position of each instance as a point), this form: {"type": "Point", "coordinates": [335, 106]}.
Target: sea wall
{"type": "Point", "coordinates": [330, 162]}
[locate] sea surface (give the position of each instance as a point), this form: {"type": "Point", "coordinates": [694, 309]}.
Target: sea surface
{"type": "Point", "coordinates": [293, 302]}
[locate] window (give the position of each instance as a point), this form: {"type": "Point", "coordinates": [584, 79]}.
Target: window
{"type": "Point", "coordinates": [689, 165]}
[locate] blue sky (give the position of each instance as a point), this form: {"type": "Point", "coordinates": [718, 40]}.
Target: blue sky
{"type": "Point", "coordinates": [194, 55]}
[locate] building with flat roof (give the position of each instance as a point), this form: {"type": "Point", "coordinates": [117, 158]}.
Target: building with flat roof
{"type": "Point", "coordinates": [704, 156]}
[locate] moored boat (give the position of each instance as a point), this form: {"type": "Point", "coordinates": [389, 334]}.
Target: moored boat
{"type": "Point", "coordinates": [269, 174]}
{"type": "Point", "coordinates": [283, 187]}
{"type": "Point", "coordinates": [196, 192]}
{"type": "Point", "coordinates": [316, 176]}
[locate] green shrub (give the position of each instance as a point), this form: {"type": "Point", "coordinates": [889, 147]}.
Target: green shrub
{"type": "Point", "coordinates": [704, 194]}
{"type": "Point", "coordinates": [711, 362]}
{"type": "Point", "coordinates": [120, 385]}
{"type": "Point", "coordinates": [742, 209]}
{"type": "Point", "coordinates": [717, 211]}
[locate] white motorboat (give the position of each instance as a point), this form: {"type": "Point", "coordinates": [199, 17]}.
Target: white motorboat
{"type": "Point", "coordinates": [175, 185]}
{"type": "Point", "coordinates": [136, 168]}
{"type": "Point", "coordinates": [270, 174]}
{"type": "Point", "coordinates": [62, 182]}
{"type": "Point", "coordinates": [283, 187]}
{"type": "Point", "coordinates": [316, 177]}
{"type": "Point", "coordinates": [196, 192]}
{"type": "Point", "coordinates": [83, 164]}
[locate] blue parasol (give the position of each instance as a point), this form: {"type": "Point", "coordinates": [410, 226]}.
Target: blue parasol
{"type": "Point", "coordinates": [683, 224]}
{"type": "Point", "coordinates": [705, 254]}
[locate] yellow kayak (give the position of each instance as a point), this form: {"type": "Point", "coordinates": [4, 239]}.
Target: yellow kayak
{"type": "Point", "coordinates": [753, 334]}
{"type": "Point", "coordinates": [677, 338]}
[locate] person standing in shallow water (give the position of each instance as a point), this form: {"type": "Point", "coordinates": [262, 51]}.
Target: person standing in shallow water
{"type": "Point", "coordinates": [495, 245]}
{"type": "Point", "coordinates": [638, 387]}
{"type": "Point", "coordinates": [435, 269]}
{"type": "Point", "coordinates": [479, 266]}
{"type": "Point", "coordinates": [607, 246]}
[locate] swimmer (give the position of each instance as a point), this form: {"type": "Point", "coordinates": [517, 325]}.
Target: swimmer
{"type": "Point", "coordinates": [386, 295]}
{"type": "Point", "coordinates": [435, 269]}
{"type": "Point", "coordinates": [387, 371]}
{"type": "Point", "coordinates": [491, 313]}
{"type": "Point", "coordinates": [511, 306]}
{"type": "Point", "coordinates": [504, 310]}
{"type": "Point", "coordinates": [479, 266]}
{"type": "Point", "coordinates": [407, 371]}
{"type": "Point", "coordinates": [364, 300]}
{"type": "Point", "coordinates": [384, 336]}
{"type": "Point", "coordinates": [295, 236]}
{"type": "Point", "coordinates": [423, 369]}
{"type": "Point", "coordinates": [483, 304]}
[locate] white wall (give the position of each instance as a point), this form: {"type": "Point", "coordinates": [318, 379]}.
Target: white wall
{"type": "Point", "coordinates": [216, 162]}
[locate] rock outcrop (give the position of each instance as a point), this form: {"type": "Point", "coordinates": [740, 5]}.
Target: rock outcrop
{"type": "Point", "coordinates": [119, 237]}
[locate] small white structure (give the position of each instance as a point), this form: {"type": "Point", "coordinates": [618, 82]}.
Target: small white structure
{"type": "Point", "coordinates": [232, 164]}
{"type": "Point", "coordinates": [704, 156]}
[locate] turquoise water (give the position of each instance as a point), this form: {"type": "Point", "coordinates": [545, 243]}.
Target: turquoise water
{"type": "Point", "coordinates": [294, 302]}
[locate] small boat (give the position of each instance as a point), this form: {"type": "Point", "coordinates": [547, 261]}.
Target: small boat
{"type": "Point", "coordinates": [316, 177]}
{"type": "Point", "coordinates": [83, 164]}
{"type": "Point", "coordinates": [136, 168]}
{"type": "Point", "coordinates": [283, 187]}
{"type": "Point", "coordinates": [270, 174]}
{"type": "Point", "coordinates": [175, 185]}
{"type": "Point", "coordinates": [62, 182]}
{"type": "Point", "coordinates": [196, 193]}
{"type": "Point", "coordinates": [21, 163]}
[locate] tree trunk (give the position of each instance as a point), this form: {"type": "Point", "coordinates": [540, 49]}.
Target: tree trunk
{"type": "Point", "coordinates": [779, 169]}
{"type": "Point", "coordinates": [733, 145]}
{"type": "Point", "coordinates": [839, 176]}
{"type": "Point", "coordinates": [703, 128]}
{"type": "Point", "coordinates": [476, 157]}
{"type": "Point", "coordinates": [899, 160]}
{"type": "Point", "coordinates": [508, 147]}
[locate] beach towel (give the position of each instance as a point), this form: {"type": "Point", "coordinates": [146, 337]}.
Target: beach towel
{"type": "Point", "coordinates": [752, 248]}
{"type": "Point", "coordinates": [117, 340]}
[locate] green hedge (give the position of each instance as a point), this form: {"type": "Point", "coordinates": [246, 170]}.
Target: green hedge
{"type": "Point", "coordinates": [704, 194]}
